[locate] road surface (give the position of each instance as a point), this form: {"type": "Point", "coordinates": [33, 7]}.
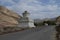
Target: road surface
{"type": "Point", "coordinates": [44, 33]}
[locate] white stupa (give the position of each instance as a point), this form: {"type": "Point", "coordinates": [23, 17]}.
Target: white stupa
{"type": "Point", "coordinates": [26, 21]}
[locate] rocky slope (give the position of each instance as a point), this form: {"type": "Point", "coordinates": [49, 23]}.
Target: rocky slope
{"type": "Point", "coordinates": [8, 17]}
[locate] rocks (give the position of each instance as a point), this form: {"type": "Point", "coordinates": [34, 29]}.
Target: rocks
{"type": "Point", "coordinates": [58, 28]}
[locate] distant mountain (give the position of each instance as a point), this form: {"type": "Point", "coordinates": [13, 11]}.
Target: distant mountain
{"type": "Point", "coordinates": [50, 19]}
{"type": "Point", "coordinates": [38, 20]}
{"type": "Point", "coordinates": [8, 17]}
{"type": "Point", "coordinates": [46, 19]}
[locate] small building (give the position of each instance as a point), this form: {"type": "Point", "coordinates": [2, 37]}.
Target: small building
{"type": "Point", "coordinates": [26, 21]}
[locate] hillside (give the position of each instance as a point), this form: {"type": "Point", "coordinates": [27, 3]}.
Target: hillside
{"type": "Point", "coordinates": [8, 17]}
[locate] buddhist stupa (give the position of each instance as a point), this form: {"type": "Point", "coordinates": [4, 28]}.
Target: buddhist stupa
{"type": "Point", "coordinates": [26, 21]}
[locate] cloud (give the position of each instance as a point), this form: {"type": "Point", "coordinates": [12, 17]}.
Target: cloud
{"type": "Point", "coordinates": [35, 7]}
{"type": "Point", "coordinates": [6, 2]}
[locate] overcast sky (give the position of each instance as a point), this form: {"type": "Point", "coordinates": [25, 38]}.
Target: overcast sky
{"type": "Point", "coordinates": [37, 8]}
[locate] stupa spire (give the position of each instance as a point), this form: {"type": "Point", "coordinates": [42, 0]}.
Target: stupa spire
{"type": "Point", "coordinates": [26, 14]}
